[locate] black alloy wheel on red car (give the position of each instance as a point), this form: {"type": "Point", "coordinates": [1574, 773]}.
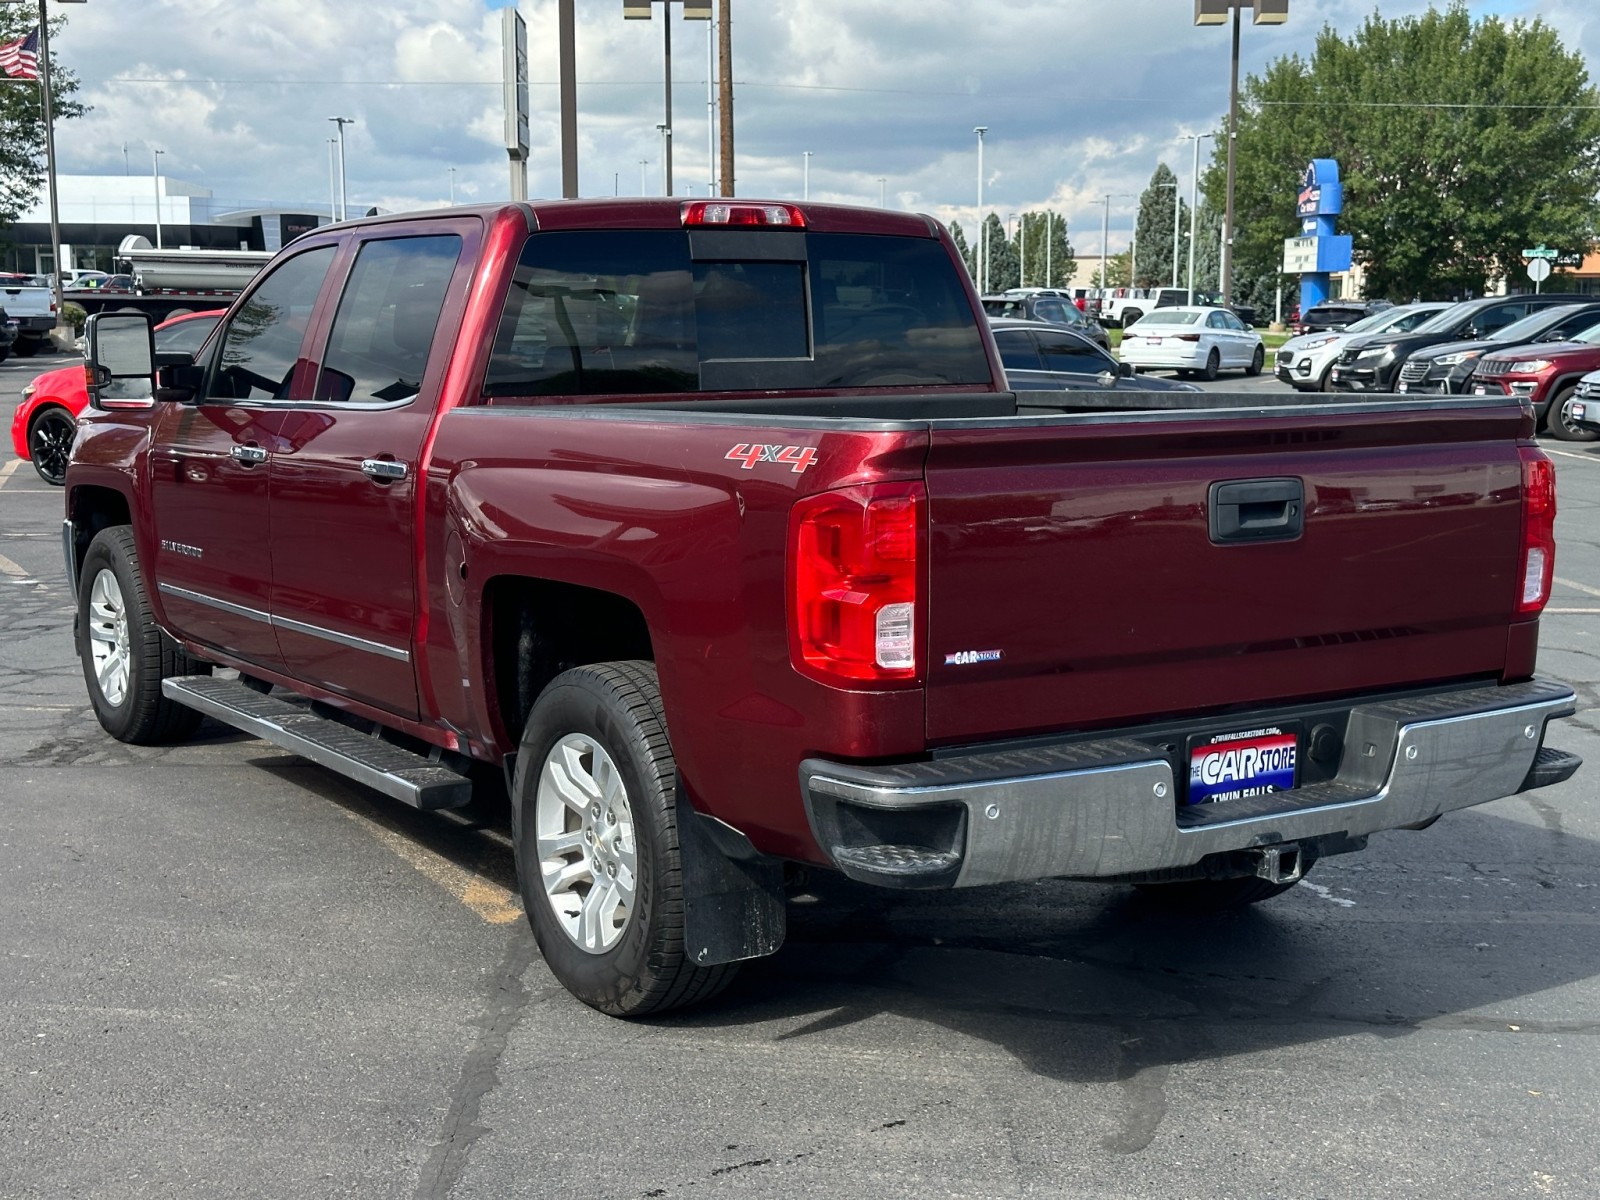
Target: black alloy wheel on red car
{"type": "Point", "coordinates": [50, 435]}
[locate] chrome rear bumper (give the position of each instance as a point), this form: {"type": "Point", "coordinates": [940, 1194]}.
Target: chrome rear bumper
{"type": "Point", "coordinates": [1107, 808]}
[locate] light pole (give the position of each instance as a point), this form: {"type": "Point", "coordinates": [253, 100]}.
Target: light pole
{"type": "Point", "coordinates": [805, 187]}
{"type": "Point", "coordinates": [883, 191]}
{"type": "Point", "coordinates": [642, 10]}
{"type": "Point", "coordinates": [452, 187]}
{"type": "Point", "coordinates": [344, 195]}
{"type": "Point", "coordinates": [155, 178]}
{"type": "Point", "coordinates": [981, 260]}
{"type": "Point", "coordinates": [643, 163]}
{"type": "Point", "coordinates": [333, 180]}
{"type": "Point", "coordinates": [1194, 202]}
{"type": "Point", "coordinates": [1215, 12]}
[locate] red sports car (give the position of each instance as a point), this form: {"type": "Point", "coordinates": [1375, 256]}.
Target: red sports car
{"type": "Point", "coordinates": [46, 420]}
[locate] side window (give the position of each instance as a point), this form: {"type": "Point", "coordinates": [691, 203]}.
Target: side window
{"type": "Point", "coordinates": [1497, 318]}
{"type": "Point", "coordinates": [1051, 310]}
{"type": "Point", "coordinates": [1016, 349]}
{"type": "Point", "coordinates": [262, 342]}
{"type": "Point", "coordinates": [1572, 326]}
{"type": "Point", "coordinates": [1215, 321]}
{"type": "Point", "coordinates": [384, 326]}
{"type": "Point", "coordinates": [1231, 321]}
{"type": "Point", "coordinates": [1063, 352]}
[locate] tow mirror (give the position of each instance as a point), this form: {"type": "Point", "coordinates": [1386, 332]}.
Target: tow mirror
{"type": "Point", "coordinates": [120, 369]}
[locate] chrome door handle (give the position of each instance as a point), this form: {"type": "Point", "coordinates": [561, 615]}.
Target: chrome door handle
{"type": "Point", "coordinates": [384, 470]}
{"type": "Point", "coordinates": [248, 455]}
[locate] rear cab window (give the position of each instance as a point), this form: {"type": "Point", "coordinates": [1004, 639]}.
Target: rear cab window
{"type": "Point", "coordinates": [617, 313]}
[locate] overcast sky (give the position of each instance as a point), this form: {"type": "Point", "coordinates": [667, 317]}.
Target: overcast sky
{"type": "Point", "coordinates": [1081, 97]}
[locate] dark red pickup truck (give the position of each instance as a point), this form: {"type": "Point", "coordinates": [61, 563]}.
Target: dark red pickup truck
{"type": "Point", "coordinates": [714, 524]}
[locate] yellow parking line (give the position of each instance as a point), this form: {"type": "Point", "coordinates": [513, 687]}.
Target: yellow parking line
{"type": "Point", "coordinates": [490, 901]}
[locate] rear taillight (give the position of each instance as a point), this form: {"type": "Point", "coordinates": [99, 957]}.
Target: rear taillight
{"type": "Point", "coordinates": [855, 557]}
{"type": "Point", "coordinates": [1538, 531]}
{"type": "Point", "coordinates": [1187, 337]}
{"type": "Point", "coordinates": [729, 212]}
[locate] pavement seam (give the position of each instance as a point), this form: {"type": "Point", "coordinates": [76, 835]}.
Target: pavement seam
{"type": "Point", "coordinates": [508, 1001]}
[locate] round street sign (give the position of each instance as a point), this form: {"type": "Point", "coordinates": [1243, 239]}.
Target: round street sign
{"type": "Point", "coordinates": [1539, 270]}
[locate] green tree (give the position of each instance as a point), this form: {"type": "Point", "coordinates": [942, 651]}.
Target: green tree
{"type": "Point", "coordinates": [1116, 272]}
{"type": "Point", "coordinates": [1459, 143]}
{"type": "Point", "coordinates": [1041, 234]}
{"type": "Point", "coordinates": [1000, 255]}
{"type": "Point", "coordinates": [960, 239]}
{"type": "Point", "coordinates": [1156, 204]}
{"type": "Point", "coordinates": [22, 157]}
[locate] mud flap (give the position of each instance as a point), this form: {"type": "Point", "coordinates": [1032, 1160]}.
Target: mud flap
{"type": "Point", "coordinates": [733, 898]}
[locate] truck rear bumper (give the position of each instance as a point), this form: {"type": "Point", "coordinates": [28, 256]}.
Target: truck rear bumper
{"type": "Point", "coordinates": [1103, 809]}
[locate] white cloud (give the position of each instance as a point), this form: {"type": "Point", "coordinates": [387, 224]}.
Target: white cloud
{"type": "Point", "coordinates": [1081, 98]}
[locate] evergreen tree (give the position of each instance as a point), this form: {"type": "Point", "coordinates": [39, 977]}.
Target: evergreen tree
{"type": "Point", "coordinates": [960, 239]}
{"type": "Point", "coordinates": [1000, 255]}
{"type": "Point", "coordinates": [1156, 206]}
{"type": "Point", "coordinates": [1039, 234]}
{"type": "Point", "coordinates": [1116, 272]}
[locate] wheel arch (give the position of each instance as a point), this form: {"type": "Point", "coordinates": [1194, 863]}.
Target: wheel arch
{"type": "Point", "coordinates": [536, 628]}
{"type": "Point", "coordinates": [92, 508]}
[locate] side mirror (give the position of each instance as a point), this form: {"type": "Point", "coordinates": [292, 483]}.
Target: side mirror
{"type": "Point", "coordinates": [1127, 370]}
{"type": "Point", "coordinates": [1106, 379]}
{"type": "Point", "coordinates": [121, 357]}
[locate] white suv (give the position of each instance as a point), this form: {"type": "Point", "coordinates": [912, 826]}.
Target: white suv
{"type": "Point", "coordinates": [1304, 361]}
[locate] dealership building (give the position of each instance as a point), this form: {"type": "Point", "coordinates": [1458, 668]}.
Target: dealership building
{"type": "Point", "coordinates": [97, 211]}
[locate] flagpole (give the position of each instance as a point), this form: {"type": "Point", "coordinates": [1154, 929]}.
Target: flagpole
{"type": "Point", "coordinates": [50, 156]}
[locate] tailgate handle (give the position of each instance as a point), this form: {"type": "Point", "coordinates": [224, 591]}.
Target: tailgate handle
{"type": "Point", "coordinates": [1257, 510]}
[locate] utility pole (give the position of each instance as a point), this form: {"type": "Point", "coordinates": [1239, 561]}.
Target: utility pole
{"type": "Point", "coordinates": [725, 91]}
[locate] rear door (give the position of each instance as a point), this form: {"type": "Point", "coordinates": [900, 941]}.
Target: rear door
{"type": "Point", "coordinates": [1074, 582]}
{"type": "Point", "coordinates": [344, 482]}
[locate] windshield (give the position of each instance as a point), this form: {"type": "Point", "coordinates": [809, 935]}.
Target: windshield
{"type": "Point", "coordinates": [1441, 322]}
{"type": "Point", "coordinates": [1375, 321]}
{"type": "Point", "coordinates": [1168, 316]}
{"type": "Point", "coordinates": [1534, 324]}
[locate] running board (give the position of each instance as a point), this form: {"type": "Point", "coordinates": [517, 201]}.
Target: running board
{"type": "Point", "coordinates": [389, 769]}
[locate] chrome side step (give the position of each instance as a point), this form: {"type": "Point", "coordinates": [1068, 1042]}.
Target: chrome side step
{"type": "Point", "coordinates": [384, 767]}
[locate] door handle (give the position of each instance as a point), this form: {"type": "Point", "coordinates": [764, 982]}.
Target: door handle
{"type": "Point", "coordinates": [248, 455]}
{"type": "Point", "coordinates": [384, 470]}
{"type": "Point", "coordinates": [1257, 510]}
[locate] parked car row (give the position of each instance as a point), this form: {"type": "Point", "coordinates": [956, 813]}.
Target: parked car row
{"type": "Point", "coordinates": [1483, 346]}
{"type": "Point", "coordinates": [1057, 307]}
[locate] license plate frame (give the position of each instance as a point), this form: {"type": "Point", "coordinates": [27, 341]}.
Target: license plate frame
{"type": "Point", "coordinates": [1264, 759]}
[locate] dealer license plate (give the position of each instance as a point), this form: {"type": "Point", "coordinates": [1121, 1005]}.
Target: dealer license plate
{"type": "Point", "coordinates": [1402, 387]}
{"type": "Point", "coordinates": [1336, 374]}
{"type": "Point", "coordinates": [1480, 390]}
{"type": "Point", "coordinates": [1576, 411]}
{"type": "Point", "coordinates": [1243, 763]}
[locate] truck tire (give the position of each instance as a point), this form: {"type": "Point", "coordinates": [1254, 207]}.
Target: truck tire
{"type": "Point", "coordinates": [125, 655]}
{"type": "Point", "coordinates": [26, 347]}
{"type": "Point", "coordinates": [50, 435]}
{"type": "Point", "coordinates": [1212, 895]}
{"type": "Point", "coordinates": [594, 831]}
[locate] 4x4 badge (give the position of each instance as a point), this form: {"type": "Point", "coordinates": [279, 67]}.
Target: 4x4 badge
{"type": "Point", "coordinates": [748, 455]}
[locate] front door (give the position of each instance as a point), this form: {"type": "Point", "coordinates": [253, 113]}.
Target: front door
{"type": "Point", "coordinates": [211, 464]}
{"type": "Point", "coordinates": [344, 479]}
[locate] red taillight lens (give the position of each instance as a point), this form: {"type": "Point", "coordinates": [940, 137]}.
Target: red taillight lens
{"type": "Point", "coordinates": [1187, 337]}
{"type": "Point", "coordinates": [855, 557]}
{"type": "Point", "coordinates": [1538, 531]}
{"type": "Point", "coordinates": [728, 212]}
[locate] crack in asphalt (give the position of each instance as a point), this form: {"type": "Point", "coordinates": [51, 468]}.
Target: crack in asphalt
{"type": "Point", "coordinates": [508, 1002]}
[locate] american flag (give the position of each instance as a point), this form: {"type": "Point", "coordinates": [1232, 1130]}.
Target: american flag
{"type": "Point", "coordinates": [20, 59]}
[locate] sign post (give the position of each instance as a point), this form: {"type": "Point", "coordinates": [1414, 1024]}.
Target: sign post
{"type": "Point", "coordinates": [1318, 252]}
{"type": "Point", "coordinates": [1539, 260]}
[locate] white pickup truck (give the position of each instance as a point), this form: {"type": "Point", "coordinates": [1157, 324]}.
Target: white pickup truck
{"type": "Point", "coordinates": [1126, 305]}
{"type": "Point", "coordinates": [30, 301]}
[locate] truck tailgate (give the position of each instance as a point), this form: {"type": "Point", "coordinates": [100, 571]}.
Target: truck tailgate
{"type": "Point", "coordinates": [1074, 581]}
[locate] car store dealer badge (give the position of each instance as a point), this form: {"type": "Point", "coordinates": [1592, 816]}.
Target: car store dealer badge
{"type": "Point", "coordinates": [1233, 766]}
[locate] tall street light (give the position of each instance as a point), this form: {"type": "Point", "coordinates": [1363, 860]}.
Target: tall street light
{"type": "Point", "coordinates": [1105, 236]}
{"type": "Point", "coordinates": [981, 260]}
{"type": "Point", "coordinates": [1215, 12]}
{"type": "Point", "coordinates": [344, 195]}
{"type": "Point", "coordinates": [805, 186]}
{"type": "Point", "coordinates": [1194, 204]}
{"type": "Point", "coordinates": [155, 178]}
{"type": "Point", "coordinates": [641, 10]}
{"type": "Point", "coordinates": [666, 158]}
{"type": "Point", "coordinates": [883, 191]}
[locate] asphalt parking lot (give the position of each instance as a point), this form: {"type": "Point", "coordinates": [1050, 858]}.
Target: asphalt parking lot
{"type": "Point", "coordinates": [227, 972]}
